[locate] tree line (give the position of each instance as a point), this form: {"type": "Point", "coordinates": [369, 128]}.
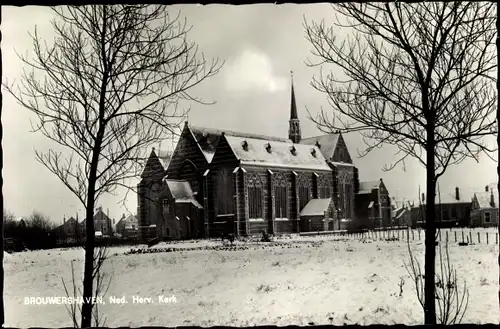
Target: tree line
{"type": "Point", "coordinates": [33, 232]}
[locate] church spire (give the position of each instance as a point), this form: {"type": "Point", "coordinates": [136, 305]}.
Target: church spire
{"type": "Point", "coordinates": [294, 124]}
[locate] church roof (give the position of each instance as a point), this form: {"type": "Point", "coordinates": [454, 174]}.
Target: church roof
{"type": "Point", "coordinates": [208, 139]}
{"type": "Point", "coordinates": [293, 106]}
{"type": "Point", "coordinates": [316, 207]}
{"type": "Point", "coordinates": [181, 191]}
{"type": "Point", "coordinates": [282, 153]}
{"type": "Point", "coordinates": [327, 143]}
{"type": "Point", "coordinates": [153, 165]}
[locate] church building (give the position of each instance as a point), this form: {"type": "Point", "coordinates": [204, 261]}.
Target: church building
{"type": "Point", "coordinates": [233, 182]}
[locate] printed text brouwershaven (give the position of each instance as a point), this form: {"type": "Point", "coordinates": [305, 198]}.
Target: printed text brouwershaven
{"type": "Point", "coordinates": [64, 300]}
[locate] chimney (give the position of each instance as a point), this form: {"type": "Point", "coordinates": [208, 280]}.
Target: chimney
{"type": "Point", "coordinates": [123, 216]}
{"type": "Point", "coordinates": [492, 199]}
{"type": "Point", "coordinates": [113, 221]}
{"type": "Point", "coordinates": [486, 188]}
{"type": "Point", "coordinates": [457, 193]}
{"type": "Point", "coordinates": [423, 197]}
{"type": "Point", "coordinates": [64, 219]}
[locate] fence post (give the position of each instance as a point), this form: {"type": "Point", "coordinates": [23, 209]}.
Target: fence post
{"type": "Point", "coordinates": [455, 236]}
{"type": "Point", "coordinates": [446, 236]}
{"type": "Point", "coordinates": [413, 235]}
{"type": "Point", "coordinates": [470, 235]}
{"type": "Point", "coordinates": [418, 235]}
{"type": "Point", "coordinates": [463, 238]}
{"type": "Point", "coordinates": [496, 238]}
{"type": "Point", "coordinates": [487, 237]}
{"type": "Point", "coordinates": [478, 237]}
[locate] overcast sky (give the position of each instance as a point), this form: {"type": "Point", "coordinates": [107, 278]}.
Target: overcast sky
{"type": "Point", "coordinates": [261, 44]}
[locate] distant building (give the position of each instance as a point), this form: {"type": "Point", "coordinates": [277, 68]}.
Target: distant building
{"type": "Point", "coordinates": [452, 209]}
{"type": "Point", "coordinates": [70, 231]}
{"type": "Point", "coordinates": [373, 205]}
{"type": "Point", "coordinates": [401, 213]}
{"type": "Point", "coordinates": [127, 226]}
{"type": "Point", "coordinates": [102, 223]}
{"type": "Point", "coordinates": [485, 208]}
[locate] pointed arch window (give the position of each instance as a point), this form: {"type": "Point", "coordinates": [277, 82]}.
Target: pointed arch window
{"type": "Point", "coordinates": [324, 186]}
{"type": "Point", "coordinates": [346, 193]}
{"type": "Point", "coordinates": [255, 197]}
{"type": "Point", "coordinates": [280, 186]}
{"type": "Point", "coordinates": [224, 192]}
{"type": "Point", "coordinates": [304, 189]}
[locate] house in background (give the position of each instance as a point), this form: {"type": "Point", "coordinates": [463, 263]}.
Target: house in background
{"type": "Point", "coordinates": [127, 227]}
{"type": "Point", "coordinates": [452, 208]}
{"type": "Point", "coordinates": [102, 223]}
{"type": "Point", "coordinates": [484, 211]}
{"type": "Point", "coordinates": [401, 213]}
{"type": "Point", "coordinates": [70, 231]}
{"type": "Point", "coordinates": [373, 205]}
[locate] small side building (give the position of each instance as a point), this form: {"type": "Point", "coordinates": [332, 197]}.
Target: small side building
{"type": "Point", "coordinates": [319, 215]}
{"type": "Point", "coordinates": [181, 212]}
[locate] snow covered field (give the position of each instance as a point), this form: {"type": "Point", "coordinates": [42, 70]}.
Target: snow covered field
{"type": "Point", "coordinates": [306, 279]}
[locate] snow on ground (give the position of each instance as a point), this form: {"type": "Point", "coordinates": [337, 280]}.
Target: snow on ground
{"type": "Point", "coordinates": [333, 280]}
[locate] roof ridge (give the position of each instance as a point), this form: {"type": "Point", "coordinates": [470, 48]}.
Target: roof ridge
{"type": "Point", "coordinates": [322, 135]}
{"type": "Point", "coordinates": [238, 133]}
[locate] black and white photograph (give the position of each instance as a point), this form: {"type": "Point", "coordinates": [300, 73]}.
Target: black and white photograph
{"type": "Point", "coordinates": [248, 165]}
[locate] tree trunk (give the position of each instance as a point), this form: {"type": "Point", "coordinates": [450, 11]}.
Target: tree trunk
{"type": "Point", "coordinates": [430, 235]}
{"type": "Point", "coordinates": [88, 272]}
{"type": "Point", "coordinates": [88, 277]}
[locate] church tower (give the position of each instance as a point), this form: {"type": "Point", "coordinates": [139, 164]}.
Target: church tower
{"type": "Point", "coordinates": [294, 124]}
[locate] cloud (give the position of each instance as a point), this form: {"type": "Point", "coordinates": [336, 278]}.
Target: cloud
{"type": "Point", "coordinates": [252, 71]}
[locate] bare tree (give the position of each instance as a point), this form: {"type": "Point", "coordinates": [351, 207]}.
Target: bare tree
{"type": "Point", "coordinates": [39, 222]}
{"type": "Point", "coordinates": [102, 283]}
{"type": "Point", "coordinates": [107, 89]}
{"type": "Point", "coordinates": [418, 77]}
{"type": "Point", "coordinates": [452, 301]}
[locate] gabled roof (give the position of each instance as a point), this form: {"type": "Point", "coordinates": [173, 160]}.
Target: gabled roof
{"type": "Point", "coordinates": [181, 192]}
{"type": "Point", "coordinates": [68, 222]}
{"type": "Point", "coordinates": [367, 187]}
{"type": "Point", "coordinates": [208, 139]}
{"type": "Point", "coordinates": [153, 166]}
{"type": "Point", "coordinates": [316, 207]}
{"type": "Point", "coordinates": [126, 220]}
{"type": "Point", "coordinates": [484, 199]}
{"type": "Point", "coordinates": [282, 154]}
{"type": "Point", "coordinates": [327, 144]}
{"type": "Point", "coordinates": [100, 212]}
